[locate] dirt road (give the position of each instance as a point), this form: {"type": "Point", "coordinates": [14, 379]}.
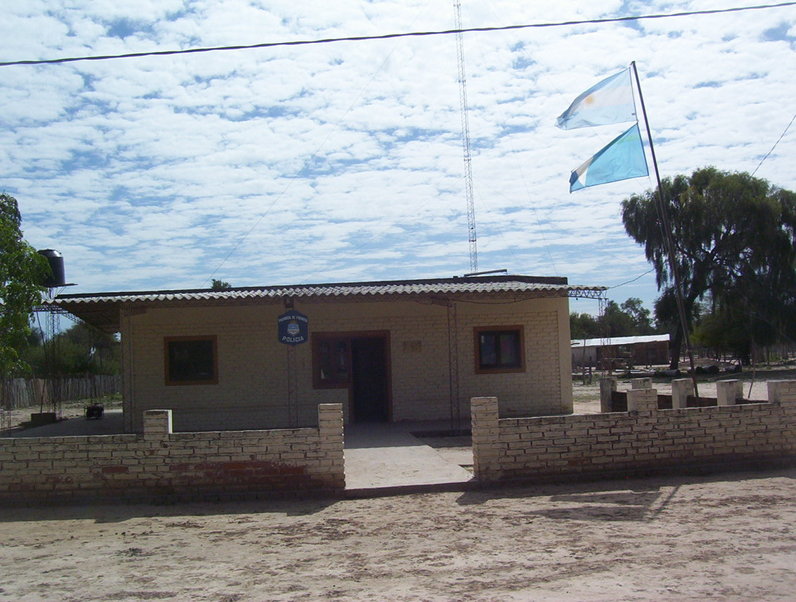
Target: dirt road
{"type": "Point", "coordinates": [728, 537]}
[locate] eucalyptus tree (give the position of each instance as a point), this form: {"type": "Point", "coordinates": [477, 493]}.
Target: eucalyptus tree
{"type": "Point", "coordinates": [22, 272]}
{"type": "Point", "coordinates": [733, 239]}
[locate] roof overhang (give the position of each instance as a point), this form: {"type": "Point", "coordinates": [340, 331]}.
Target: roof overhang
{"type": "Point", "coordinates": [103, 310]}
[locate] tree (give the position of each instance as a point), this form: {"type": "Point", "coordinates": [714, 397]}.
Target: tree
{"type": "Point", "coordinates": [220, 285]}
{"type": "Point", "coordinates": [723, 332]}
{"type": "Point", "coordinates": [616, 323]}
{"type": "Point", "coordinates": [583, 326]}
{"type": "Point", "coordinates": [81, 349]}
{"type": "Point", "coordinates": [628, 319]}
{"type": "Point", "coordinates": [22, 272]}
{"type": "Point", "coordinates": [639, 314]}
{"type": "Point", "coordinates": [734, 240]}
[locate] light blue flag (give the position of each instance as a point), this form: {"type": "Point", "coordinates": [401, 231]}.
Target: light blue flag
{"type": "Point", "coordinates": [622, 159]}
{"type": "Point", "coordinates": [609, 101]}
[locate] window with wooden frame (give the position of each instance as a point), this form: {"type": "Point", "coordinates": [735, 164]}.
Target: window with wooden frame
{"type": "Point", "coordinates": [499, 349]}
{"type": "Point", "coordinates": [191, 360]}
{"type": "Point", "coordinates": [331, 361]}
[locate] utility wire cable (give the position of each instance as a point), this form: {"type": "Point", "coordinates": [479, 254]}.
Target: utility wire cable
{"type": "Point", "coordinates": [304, 166]}
{"type": "Point", "coordinates": [632, 280]}
{"type": "Point", "coordinates": [785, 131]}
{"type": "Point", "coordinates": [396, 35]}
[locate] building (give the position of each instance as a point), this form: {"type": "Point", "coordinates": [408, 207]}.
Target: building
{"type": "Point", "coordinates": [265, 357]}
{"type": "Point", "coordinates": [616, 352]}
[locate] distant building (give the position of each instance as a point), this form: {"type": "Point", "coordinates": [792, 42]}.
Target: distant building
{"type": "Point", "coordinates": [612, 352]}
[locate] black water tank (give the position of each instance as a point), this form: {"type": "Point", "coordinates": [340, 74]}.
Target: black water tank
{"type": "Point", "coordinates": [55, 259]}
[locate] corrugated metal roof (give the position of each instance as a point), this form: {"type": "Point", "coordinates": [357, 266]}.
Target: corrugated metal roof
{"type": "Point", "coordinates": [322, 290]}
{"type": "Point", "coordinates": [101, 309]}
{"type": "Point", "coordinates": [609, 341]}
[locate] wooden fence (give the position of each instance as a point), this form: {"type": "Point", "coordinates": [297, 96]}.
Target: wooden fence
{"type": "Point", "coordinates": [24, 393]}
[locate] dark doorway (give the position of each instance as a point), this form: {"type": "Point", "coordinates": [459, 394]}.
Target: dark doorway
{"type": "Point", "coordinates": [370, 379]}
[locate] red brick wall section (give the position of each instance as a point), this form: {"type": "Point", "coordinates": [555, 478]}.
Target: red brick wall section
{"type": "Point", "coordinates": [642, 438]}
{"type": "Point", "coordinates": [161, 464]}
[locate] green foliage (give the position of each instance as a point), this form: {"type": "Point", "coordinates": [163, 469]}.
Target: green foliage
{"type": "Point", "coordinates": [616, 323]}
{"type": "Point", "coordinates": [734, 242]}
{"type": "Point", "coordinates": [724, 333]}
{"type": "Point", "coordinates": [639, 314]}
{"type": "Point", "coordinates": [22, 271]}
{"type": "Point", "coordinates": [628, 319]}
{"type": "Point", "coordinates": [665, 310]}
{"type": "Point", "coordinates": [583, 326]}
{"type": "Point", "coordinates": [220, 285]}
{"type": "Point", "coordinates": [79, 350]}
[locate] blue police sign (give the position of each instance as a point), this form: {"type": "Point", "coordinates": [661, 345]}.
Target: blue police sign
{"type": "Point", "coordinates": [293, 328]}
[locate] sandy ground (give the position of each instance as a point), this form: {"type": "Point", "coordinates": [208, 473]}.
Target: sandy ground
{"type": "Point", "coordinates": [11, 420]}
{"type": "Point", "coordinates": [727, 537]}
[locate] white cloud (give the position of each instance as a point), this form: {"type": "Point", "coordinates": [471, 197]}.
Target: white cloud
{"type": "Point", "coordinates": [344, 161]}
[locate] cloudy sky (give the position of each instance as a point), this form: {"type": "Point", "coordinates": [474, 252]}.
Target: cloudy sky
{"type": "Point", "coordinates": [343, 161]}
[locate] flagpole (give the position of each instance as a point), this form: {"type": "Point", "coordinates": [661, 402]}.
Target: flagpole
{"type": "Point", "coordinates": [667, 235]}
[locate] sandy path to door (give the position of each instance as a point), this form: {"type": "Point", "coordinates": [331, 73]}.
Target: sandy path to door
{"type": "Point", "coordinates": [725, 536]}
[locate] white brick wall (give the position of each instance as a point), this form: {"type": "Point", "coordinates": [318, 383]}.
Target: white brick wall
{"type": "Point", "coordinates": [159, 463]}
{"type": "Point", "coordinates": [645, 437]}
{"type": "Point", "coordinates": [252, 391]}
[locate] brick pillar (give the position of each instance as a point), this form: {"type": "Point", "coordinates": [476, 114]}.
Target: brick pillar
{"type": "Point", "coordinates": [782, 392]}
{"type": "Point", "coordinates": [486, 435]}
{"type": "Point", "coordinates": [607, 387]}
{"type": "Point", "coordinates": [330, 432]}
{"type": "Point", "coordinates": [157, 424]}
{"type": "Point", "coordinates": [641, 383]}
{"type": "Point", "coordinates": [728, 391]}
{"type": "Point", "coordinates": [681, 389]}
{"type": "Point", "coordinates": [642, 400]}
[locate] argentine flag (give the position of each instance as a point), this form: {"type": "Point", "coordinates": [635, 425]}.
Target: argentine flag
{"type": "Point", "coordinates": [609, 101]}
{"type": "Point", "coordinates": [623, 158]}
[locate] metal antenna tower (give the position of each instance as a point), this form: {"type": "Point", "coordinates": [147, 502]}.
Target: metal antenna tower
{"type": "Point", "coordinates": [468, 170]}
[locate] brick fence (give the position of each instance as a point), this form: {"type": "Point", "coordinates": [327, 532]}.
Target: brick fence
{"type": "Point", "coordinates": [162, 465]}
{"type": "Point", "coordinates": [728, 392]}
{"type": "Point", "coordinates": [642, 438]}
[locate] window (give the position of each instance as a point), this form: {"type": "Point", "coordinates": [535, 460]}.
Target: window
{"type": "Point", "coordinates": [191, 360]}
{"type": "Point", "coordinates": [331, 361]}
{"type": "Point", "coordinates": [499, 349]}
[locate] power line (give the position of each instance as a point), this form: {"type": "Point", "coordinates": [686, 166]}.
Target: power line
{"type": "Point", "coordinates": [632, 280]}
{"type": "Point", "coordinates": [306, 164]}
{"type": "Point", "coordinates": [781, 136]}
{"type": "Point", "coordinates": [395, 35]}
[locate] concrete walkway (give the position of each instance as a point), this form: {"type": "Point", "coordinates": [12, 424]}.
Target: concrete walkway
{"type": "Point", "coordinates": [388, 456]}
